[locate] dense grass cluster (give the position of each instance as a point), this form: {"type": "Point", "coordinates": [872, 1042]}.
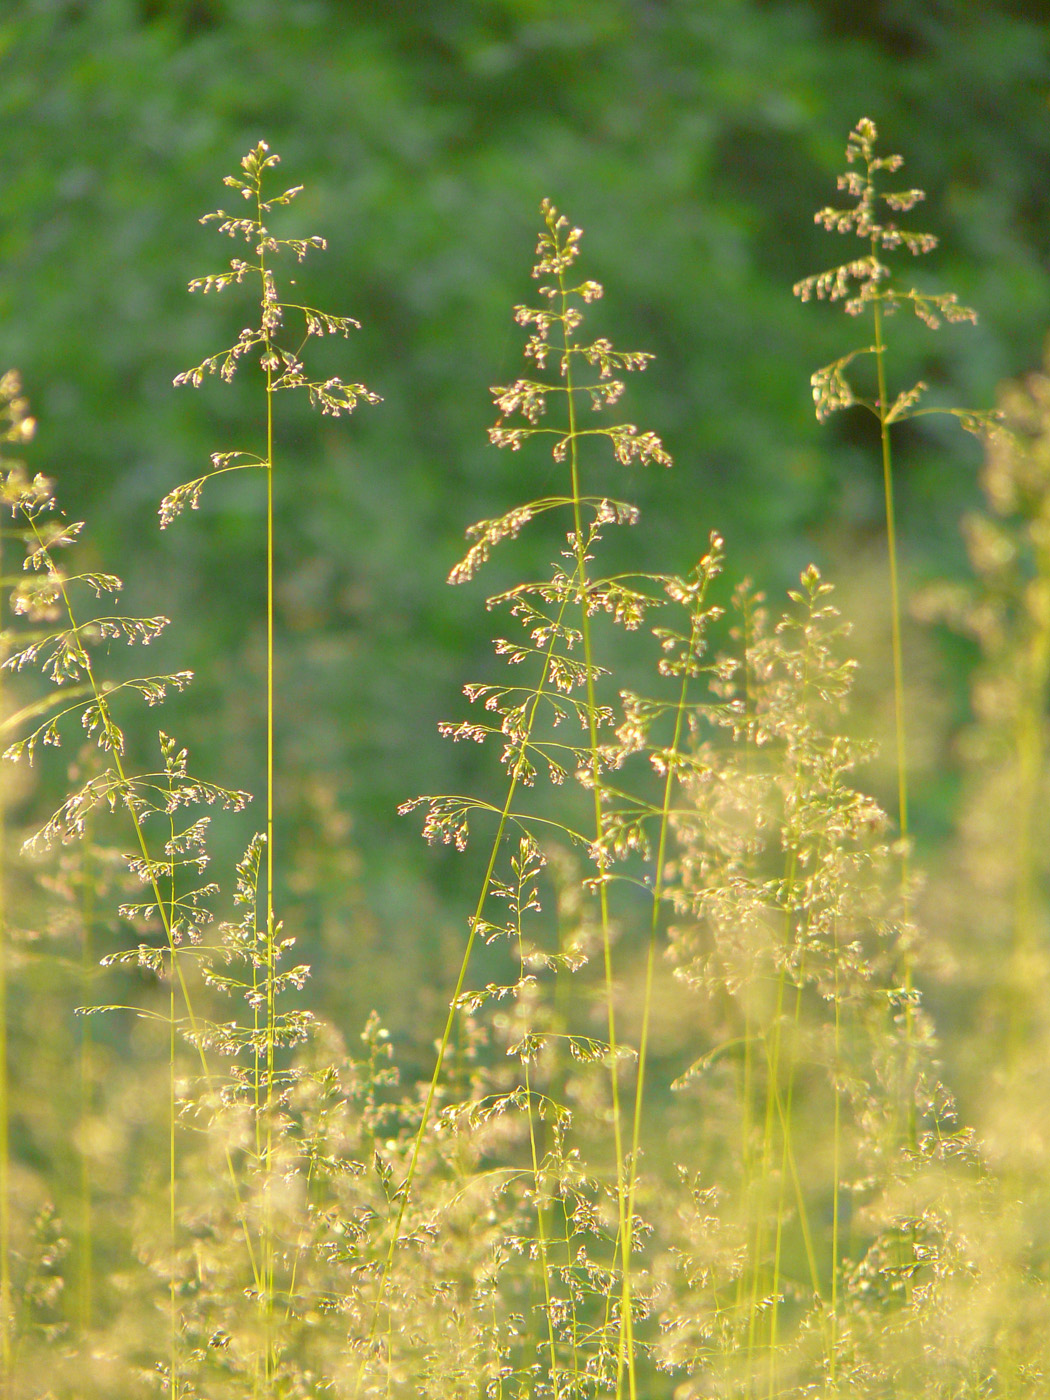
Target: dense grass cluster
{"type": "Point", "coordinates": [690, 1129]}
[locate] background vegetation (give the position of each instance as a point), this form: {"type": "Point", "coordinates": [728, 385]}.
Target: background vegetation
{"type": "Point", "coordinates": [692, 142]}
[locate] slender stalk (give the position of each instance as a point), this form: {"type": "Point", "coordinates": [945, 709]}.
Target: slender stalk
{"type": "Point", "coordinates": [580, 549]}
{"type": "Point", "coordinates": [775, 1108]}
{"type": "Point", "coordinates": [861, 282]}
{"type": "Point", "coordinates": [271, 950]}
{"type": "Point", "coordinates": [172, 1182]}
{"type": "Point", "coordinates": [836, 1175]}
{"type": "Point", "coordinates": [125, 787]}
{"type": "Point", "coordinates": [541, 1225]}
{"type": "Point", "coordinates": [895, 607]}
{"type": "Point", "coordinates": [86, 1262]}
{"type": "Point", "coordinates": [562, 673]}
{"type": "Point", "coordinates": [772, 1072]}
{"type": "Point", "coordinates": [670, 778]}
{"type": "Point", "coordinates": [898, 704]}
{"type": "Point", "coordinates": [747, 1122]}
{"type": "Point", "coordinates": [561, 1020]}
{"type": "Point", "coordinates": [788, 1165]}
{"type": "Point", "coordinates": [5, 1141]}
{"type": "Point", "coordinates": [450, 1021]}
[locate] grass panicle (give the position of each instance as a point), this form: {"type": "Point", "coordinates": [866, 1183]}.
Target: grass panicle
{"type": "Point", "coordinates": [256, 943]}
{"type": "Point", "coordinates": [690, 1127]}
{"type": "Point", "coordinates": [870, 284]}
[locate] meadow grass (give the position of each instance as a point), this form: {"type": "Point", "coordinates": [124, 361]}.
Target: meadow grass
{"type": "Point", "coordinates": [689, 1128]}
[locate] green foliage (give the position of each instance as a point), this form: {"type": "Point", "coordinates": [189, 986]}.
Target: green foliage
{"type": "Point", "coordinates": [692, 1121]}
{"type": "Point", "coordinates": [688, 141]}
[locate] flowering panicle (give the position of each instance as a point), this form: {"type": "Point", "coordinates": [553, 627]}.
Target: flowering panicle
{"type": "Point", "coordinates": [182, 914]}
{"type": "Point", "coordinates": [859, 281]}
{"type": "Point", "coordinates": [550, 611]}
{"type": "Point", "coordinates": [143, 794]}
{"type": "Point", "coordinates": [640, 825]}
{"type": "Point", "coordinates": [868, 280]}
{"type": "Point", "coordinates": [281, 363]}
{"type": "Point", "coordinates": [55, 632]}
{"type": "Point", "coordinates": [555, 255]}
{"type": "Point", "coordinates": [549, 719]}
{"type": "Point", "coordinates": [247, 948]}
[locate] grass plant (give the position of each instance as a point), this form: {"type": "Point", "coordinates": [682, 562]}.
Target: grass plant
{"type": "Point", "coordinates": [558, 616]}
{"type": "Point", "coordinates": [870, 283]}
{"type": "Point", "coordinates": [659, 1150]}
{"type": "Point", "coordinates": [16, 427]}
{"type": "Point", "coordinates": [262, 948]}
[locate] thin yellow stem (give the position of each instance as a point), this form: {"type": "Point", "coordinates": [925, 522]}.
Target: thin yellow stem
{"type": "Point", "coordinates": [541, 1226]}
{"type": "Point", "coordinates": [654, 926]}
{"type": "Point", "coordinates": [895, 608]}
{"type": "Point", "coordinates": [836, 1173]}
{"type": "Point", "coordinates": [126, 789]}
{"type": "Point", "coordinates": [898, 698]}
{"type": "Point", "coordinates": [746, 1126]}
{"type": "Point", "coordinates": [86, 1261]}
{"type": "Point", "coordinates": [788, 1165]}
{"type": "Point", "coordinates": [475, 923]}
{"type": "Point", "coordinates": [625, 1351]}
{"type": "Point", "coordinates": [5, 1143]}
{"type": "Point", "coordinates": [172, 1194]}
{"type": "Point", "coordinates": [271, 932]}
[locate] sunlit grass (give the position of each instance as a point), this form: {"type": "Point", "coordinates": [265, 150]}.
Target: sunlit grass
{"type": "Point", "coordinates": [688, 1129]}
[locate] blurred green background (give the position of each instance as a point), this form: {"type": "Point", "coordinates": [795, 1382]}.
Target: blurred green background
{"type": "Point", "coordinates": [692, 140]}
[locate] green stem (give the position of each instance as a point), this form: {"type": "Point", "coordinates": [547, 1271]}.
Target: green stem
{"type": "Point", "coordinates": [898, 700]}
{"type": "Point", "coordinates": [475, 922]}
{"type": "Point", "coordinates": [654, 926]}
{"type": "Point", "coordinates": [625, 1350]}
{"type": "Point", "coordinates": [772, 1071]}
{"type": "Point", "coordinates": [271, 950]}
{"type": "Point", "coordinates": [747, 1093]}
{"type": "Point", "coordinates": [125, 787]}
{"type": "Point", "coordinates": [172, 1193]}
{"type": "Point", "coordinates": [541, 1226]}
{"type": "Point", "coordinates": [86, 1262]}
{"type": "Point", "coordinates": [836, 1173]}
{"type": "Point", "coordinates": [5, 1143]}
{"type": "Point", "coordinates": [895, 608]}
{"type": "Point", "coordinates": [788, 1165]}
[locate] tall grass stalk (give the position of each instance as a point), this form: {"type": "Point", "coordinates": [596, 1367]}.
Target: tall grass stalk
{"type": "Point", "coordinates": [527, 1220]}
{"type": "Point", "coordinates": [16, 427]}
{"type": "Point", "coordinates": [575, 598]}
{"type": "Point", "coordinates": [282, 369]}
{"type": "Point", "coordinates": [43, 596]}
{"type": "Point", "coordinates": [558, 258]}
{"type": "Point", "coordinates": [864, 282]}
{"type": "Point", "coordinates": [626, 826]}
{"type": "Point", "coordinates": [88, 957]}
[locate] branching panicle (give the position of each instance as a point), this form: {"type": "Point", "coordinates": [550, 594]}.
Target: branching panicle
{"type": "Point", "coordinates": [281, 363]}
{"type": "Point", "coordinates": [868, 281]}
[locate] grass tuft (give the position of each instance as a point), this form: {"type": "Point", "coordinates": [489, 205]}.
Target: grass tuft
{"type": "Point", "coordinates": [690, 1127]}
